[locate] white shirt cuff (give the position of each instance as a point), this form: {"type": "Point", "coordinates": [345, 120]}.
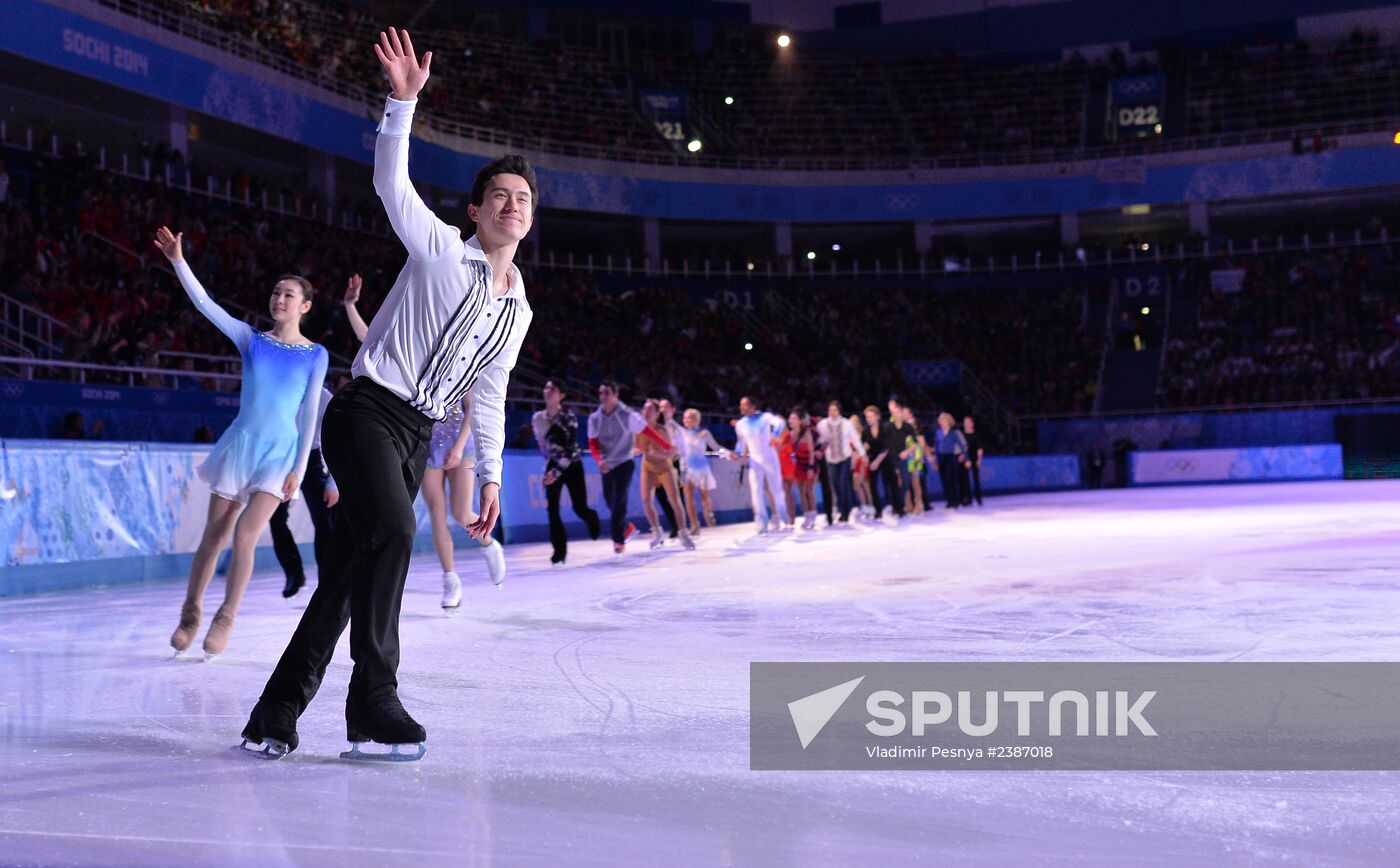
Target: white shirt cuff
{"type": "Point", "coordinates": [398, 117]}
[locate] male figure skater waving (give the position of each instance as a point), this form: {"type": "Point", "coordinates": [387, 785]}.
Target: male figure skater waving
{"type": "Point", "coordinates": [452, 324]}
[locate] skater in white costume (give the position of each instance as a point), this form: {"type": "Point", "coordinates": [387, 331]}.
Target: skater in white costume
{"type": "Point", "coordinates": [758, 433]}
{"type": "Point", "coordinates": [449, 481]}
{"type": "Point", "coordinates": [260, 460]}
{"type": "Point", "coordinates": [697, 479]}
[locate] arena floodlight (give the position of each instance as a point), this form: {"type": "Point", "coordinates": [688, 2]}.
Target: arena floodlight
{"type": "Point", "coordinates": [784, 40]}
{"type": "Point", "coordinates": [694, 146]}
{"type": "Point", "coordinates": [811, 254]}
{"type": "Point", "coordinates": [748, 346]}
{"type": "Point", "coordinates": [729, 100]}
{"type": "Point", "coordinates": [1146, 311]}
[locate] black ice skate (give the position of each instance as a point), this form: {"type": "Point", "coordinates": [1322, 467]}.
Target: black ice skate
{"type": "Point", "coordinates": [385, 723]}
{"type": "Point", "coordinates": [268, 739]}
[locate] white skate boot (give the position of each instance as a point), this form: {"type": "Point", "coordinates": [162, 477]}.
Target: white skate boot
{"type": "Point", "coordinates": [657, 540]}
{"type": "Point", "coordinates": [451, 590]}
{"type": "Point", "coordinates": [495, 562]}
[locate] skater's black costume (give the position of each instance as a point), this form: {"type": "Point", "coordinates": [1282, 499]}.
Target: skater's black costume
{"type": "Point", "coordinates": [441, 332]}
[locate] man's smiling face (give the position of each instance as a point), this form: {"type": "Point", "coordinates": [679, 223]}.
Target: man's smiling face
{"type": "Point", "coordinates": [506, 212]}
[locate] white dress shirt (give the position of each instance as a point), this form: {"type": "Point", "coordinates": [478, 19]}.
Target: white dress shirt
{"type": "Point", "coordinates": [755, 436]}
{"type": "Point", "coordinates": [440, 333]}
{"type": "Point", "coordinates": [838, 439]}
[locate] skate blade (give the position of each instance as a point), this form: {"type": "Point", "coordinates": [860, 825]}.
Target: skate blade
{"type": "Point", "coordinates": [210, 657]}
{"type": "Point", "coordinates": [268, 749]}
{"type": "Point", "coordinates": [395, 755]}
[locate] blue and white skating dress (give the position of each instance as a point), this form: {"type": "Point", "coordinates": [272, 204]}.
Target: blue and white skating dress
{"type": "Point", "coordinates": [276, 423]}
{"type": "Point", "coordinates": [445, 434]}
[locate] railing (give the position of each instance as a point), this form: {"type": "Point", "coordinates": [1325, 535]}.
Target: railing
{"type": "Point", "coordinates": [123, 375]}
{"type": "Point", "coordinates": [28, 327]}
{"type": "Point", "coordinates": [367, 100]}
{"type": "Point", "coordinates": [82, 370]}
{"type": "Point", "coordinates": [1393, 400]}
{"type": "Point", "coordinates": [933, 266]}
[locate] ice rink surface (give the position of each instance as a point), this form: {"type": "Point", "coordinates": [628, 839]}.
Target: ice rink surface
{"type": "Point", "coordinates": [597, 715]}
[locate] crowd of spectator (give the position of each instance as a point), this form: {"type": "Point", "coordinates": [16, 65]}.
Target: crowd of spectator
{"type": "Point", "coordinates": [1268, 86]}
{"type": "Point", "coordinates": [78, 247]}
{"type": "Point", "coordinates": [538, 91]}
{"type": "Point", "coordinates": [1304, 326]}
{"type": "Point", "coordinates": [555, 94]}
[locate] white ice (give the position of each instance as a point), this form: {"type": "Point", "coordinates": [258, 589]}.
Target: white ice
{"type": "Point", "coordinates": [598, 714]}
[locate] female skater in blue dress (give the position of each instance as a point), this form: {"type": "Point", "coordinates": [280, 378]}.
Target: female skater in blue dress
{"type": "Point", "coordinates": [260, 460]}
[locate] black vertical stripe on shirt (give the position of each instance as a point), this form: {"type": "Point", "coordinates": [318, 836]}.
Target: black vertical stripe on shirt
{"type": "Point", "coordinates": [487, 352]}
{"type": "Point", "coordinates": [495, 342]}
{"type": "Point", "coordinates": [439, 361]}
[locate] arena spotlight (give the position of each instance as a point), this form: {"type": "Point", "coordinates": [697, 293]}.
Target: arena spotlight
{"type": "Point", "coordinates": [811, 254]}
{"type": "Point", "coordinates": [835, 247]}
{"type": "Point", "coordinates": [748, 346]}
{"type": "Point", "coordinates": [750, 265]}
{"type": "Point", "coordinates": [729, 100]}
{"type": "Point", "coordinates": [784, 40]}
{"type": "Point", "coordinates": [1144, 247]}
{"type": "Point", "coordinates": [694, 146]}
{"type": "Point", "coordinates": [1146, 311]}
{"type": "Point", "coordinates": [1397, 138]}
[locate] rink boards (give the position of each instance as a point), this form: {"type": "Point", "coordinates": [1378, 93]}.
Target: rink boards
{"type": "Point", "coordinates": [79, 514]}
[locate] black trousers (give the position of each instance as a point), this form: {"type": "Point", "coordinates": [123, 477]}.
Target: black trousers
{"type": "Point", "coordinates": [617, 482]}
{"type": "Point", "coordinates": [659, 492]}
{"type": "Point", "coordinates": [376, 446]}
{"type": "Point", "coordinates": [970, 484]}
{"type": "Point", "coordinates": [948, 476]}
{"type": "Point", "coordinates": [313, 491]}
{"type": "Point", "coordinates": [894, 491]}
{"type": "Point", "coordinates": [572, 478]}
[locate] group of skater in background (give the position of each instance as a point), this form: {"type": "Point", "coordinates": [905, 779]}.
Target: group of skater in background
{"type": "Point", "coordinates": [868, 466]}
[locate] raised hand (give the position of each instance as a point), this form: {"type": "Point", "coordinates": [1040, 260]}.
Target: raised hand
{"type": "Point", "coordinates": [395, 53]}
{"type": "Point", "coordinates": [352, 290]}
{"type": "Point", "coordinates": [169, 244]}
